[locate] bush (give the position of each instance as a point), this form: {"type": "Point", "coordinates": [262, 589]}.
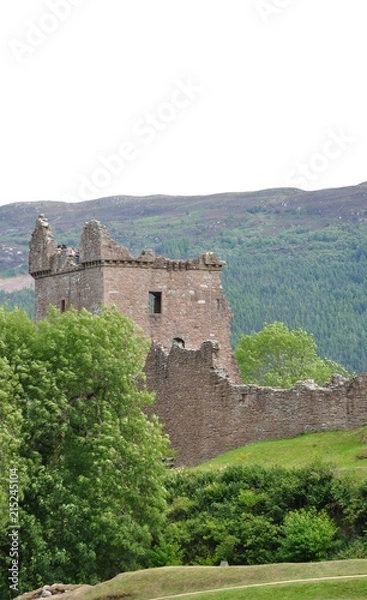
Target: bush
{"type": "Point", "coordinates": [308, 535]}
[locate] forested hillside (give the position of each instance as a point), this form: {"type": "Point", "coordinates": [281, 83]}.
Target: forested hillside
{"type": "Point", "coordinates": [292, 256]}
{"type": "Point", "coordinates": [313, 280]}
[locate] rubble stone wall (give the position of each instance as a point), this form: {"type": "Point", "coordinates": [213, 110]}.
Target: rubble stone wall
{"type": "Point", "coordinates": [206, 414]}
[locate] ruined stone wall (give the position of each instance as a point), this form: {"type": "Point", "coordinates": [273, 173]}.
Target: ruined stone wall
{"type": "Point", "coordinates": [206, 414]}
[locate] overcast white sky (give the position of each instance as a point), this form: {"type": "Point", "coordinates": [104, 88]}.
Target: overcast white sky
{"type": "Point", "coordinates": [103, 97]}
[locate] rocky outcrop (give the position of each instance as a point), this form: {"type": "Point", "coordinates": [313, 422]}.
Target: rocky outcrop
{"type": "Point", "coordinates": [56, 591]}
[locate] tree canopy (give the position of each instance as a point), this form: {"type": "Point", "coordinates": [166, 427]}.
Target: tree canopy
{"type": "Point", "coordinates": [72, 405]}
{"type": "Point", "coordinates": [278, 356]}
{"type": "Point", "coordinates": [253, 514]}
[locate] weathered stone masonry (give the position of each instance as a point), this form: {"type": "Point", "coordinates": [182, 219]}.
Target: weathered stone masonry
{"type": "Point", "coordinates": [173, 301]}
{"type": "Point", "coordinates": [206, 414]}
{"type": "Point", "coordinates": [180, 303]}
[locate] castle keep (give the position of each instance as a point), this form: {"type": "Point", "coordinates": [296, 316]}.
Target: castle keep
{"type": "Point", "coordinates": [175, 302]}
{"type": "Point", "coordinates": [180, 305]}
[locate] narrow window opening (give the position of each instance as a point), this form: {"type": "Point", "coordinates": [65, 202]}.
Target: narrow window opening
{"type": "Point", "coordinates": [155, 303]}
{"type": "Point", "coordinates": [218, 304]}
{"type": "Point", "coordinates": [178, 342]}
{"type": "Point", "coordinates": [63, 306]}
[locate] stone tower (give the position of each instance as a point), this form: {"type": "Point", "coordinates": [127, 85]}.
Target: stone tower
{"type": "Point", "coordinates": [175, 302]}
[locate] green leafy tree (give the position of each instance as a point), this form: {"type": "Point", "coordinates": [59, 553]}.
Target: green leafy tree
{"type": "Point", "coordinates": [278, 356]}
{"type": "Point", "coordinates": [15, 334]}
{"type": "Point", "coordinates": [93, 498]}
{"type": "Point", "coordinates": [308, 535]}
{"type": "Point", "coordinates": [10, 435]}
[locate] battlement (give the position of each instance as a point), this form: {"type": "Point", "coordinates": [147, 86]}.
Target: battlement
{"type": "Point", "coordinates": [97, 248]}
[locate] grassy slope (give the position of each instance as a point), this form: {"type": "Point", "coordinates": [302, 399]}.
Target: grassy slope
{"type": "Point", "coordinates": [345, 451]}
{"type": "Point", "coordinates": [167, 582]}
{"type": "Point", "coordinates": [327, 590]}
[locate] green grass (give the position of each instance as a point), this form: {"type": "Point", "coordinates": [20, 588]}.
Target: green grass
{"type": "Point", "coordinates": [167, 582]}
{"type": "Point", "coordinates": [344, 451]}
{"type": "Point", "coordinates": [335, 590]}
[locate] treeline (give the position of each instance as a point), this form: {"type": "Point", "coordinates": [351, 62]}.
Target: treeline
{"type": "Point", "coordinates": [316, 281]}
{"type": "Point", "coordinates": [255, 515]}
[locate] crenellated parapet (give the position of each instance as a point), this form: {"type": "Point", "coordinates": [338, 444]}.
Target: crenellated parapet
{"type": "Point", "coordinates": [97, 248]}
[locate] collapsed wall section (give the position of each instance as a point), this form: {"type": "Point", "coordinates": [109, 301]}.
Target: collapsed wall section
{"type": "Point", "coordinates": [206, 414]}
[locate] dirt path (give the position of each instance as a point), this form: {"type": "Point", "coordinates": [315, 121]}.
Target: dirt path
{"type": "Point", "coordinates": [256, 585]}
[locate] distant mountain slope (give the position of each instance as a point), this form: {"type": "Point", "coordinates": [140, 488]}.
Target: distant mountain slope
{"type": "Point", "coordinates": [151, 216]}
{"type": "Point", "coordinates": [295, 256]}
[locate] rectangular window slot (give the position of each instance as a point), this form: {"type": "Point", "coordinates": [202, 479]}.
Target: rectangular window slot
{"type": "Point", "coordinates": [155, 303]}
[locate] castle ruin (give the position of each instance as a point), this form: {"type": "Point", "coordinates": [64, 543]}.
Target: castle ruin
{"type": "Point", "coordinates": [180, 305]}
